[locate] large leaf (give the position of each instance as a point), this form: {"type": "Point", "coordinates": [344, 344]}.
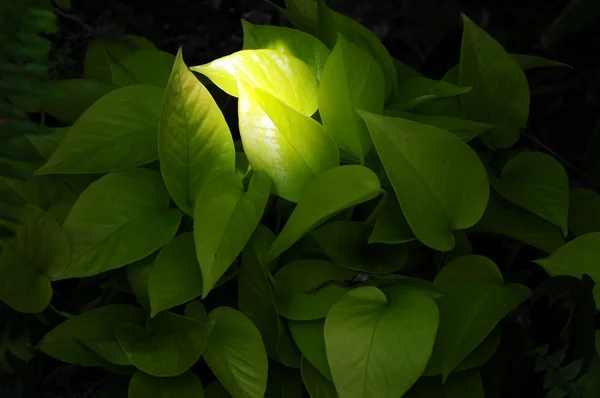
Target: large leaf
{"type": "Point", "coordinates": [175, 276]}
{"type": "Point", "coordinates": [168, 347]}
{"type": "Point", "coordinates": [288, 145]}
{"type": "Point", "coordinates": [38, 251]}
{"type": "Point", "coordinates": [194, 141]}
{"type": "Point", "coordinates": [224, 219]}
{"type": "Point", "coordinates": [539, 183]}
{"type": "Point", "coordinates": [504, 218]}
{"type": "Point", "coordinates": [289, 41]}
{"type": "Point", "coordinates": [316, 384]}
{"type": "Point", "coordinates": [345, 243]}
{"type": "Point", "coordinates": [149, 67]}
{"type": "Point", "coordinates": [96, 328]}
{"type": "Point", "coordinates": [119, 219]}
{"type": "Point", "coordinates": [584, 211]}
{"type": "Point", "coordinates": [295, 285]}
{"type": "Point", "coordinates": [236, 355]}
{"type": "Point", "coordinates": [420, 90]}
{"type": "Point", "coordinates": [464, 385]}
{"type": "Point", "coordinates": [310, 338]}
{"type": "Point", "coordinates": [325, 195]}
{"type": "Point", "coordinates": [117, 132]}
{"type": "Point", "coordinates": [351, 80]}
{"type": "Point", "coordinates": [500, 94]}
{"type": "Point", "coordinates": [475, 300]}
{"type": "Point", "coordinates": [439, 180]}
{"type": "Point", "coordinates": [67, 100]}
{"type": "Point", "coordinates": [576, 258]}
{"type": "Point", "coordinates": [188, 385]}
{"type": "Point", "coordinates": [256, 300]}
{"type": "Point", "coordinates": [283, 76]}
{"type": "Point", "coordinates": [378, 346]}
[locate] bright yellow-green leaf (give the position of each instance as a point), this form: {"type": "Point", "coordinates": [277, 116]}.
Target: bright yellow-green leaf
{"type": "Point", "coordinates": [117, 132]}
{"type": "Point", "coordinates": [439, 180]}
{"type": "Point", "coordinates": [283, 76]}
{"type": "Point", "coordinates": [325, 195]}
{"type": "Point", "coordinates": [194, 141]}
{"type": "Point", "coordinates": [351, 80]}
{"type": "Point", "coordinates": [420, 90]}
{"type": "Point", "coordinates": [290, 147]}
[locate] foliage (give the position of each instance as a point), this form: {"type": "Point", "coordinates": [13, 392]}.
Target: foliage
{"type": "Point", "coordinates": [345, 244]}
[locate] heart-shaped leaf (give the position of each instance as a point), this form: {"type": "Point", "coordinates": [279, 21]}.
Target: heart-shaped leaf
{"type": "Point", "coordinates": [439, 180]}
{"type": "Point", "coordinates": [378, 346]}
{"type": "Point", "coordinates": [187, 385]}
{"type": "Point", "coordinates": [194, 141]}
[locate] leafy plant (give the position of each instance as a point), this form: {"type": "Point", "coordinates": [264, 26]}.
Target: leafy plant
{"type": "Point", "coordinates": [345, 244]}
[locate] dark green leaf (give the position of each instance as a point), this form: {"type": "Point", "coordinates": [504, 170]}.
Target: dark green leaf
{"type": "Point", "coordinates": [584, 211]}
{"type": "Point", "coordinates": [188, 385]}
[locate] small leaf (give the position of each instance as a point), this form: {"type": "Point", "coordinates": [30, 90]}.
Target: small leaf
{"type": "Point", "coordinates": [224, 219]}
{"type": "Point", "coordinates": [96, 326]}
{"type": "Point", "coordinates": [577, 258]}
{"type": "Point", "coordinates": [38, 251]}
{"type": "Point", "coordinates": [196, 310]}
{"type": "Point", "coordinates": [351, 80]}
{"type": "Point", "coordinates": [175, 276]}
{"type": "Point", "coordinates": [138, 275]}
{"type": "Point", "coordinates": [475, 300]}
{"type": "Point", "coordinates": [236, 355]}
{"type": "Point", "coordinates": [500, 94]}
{"type": "Point", "coordinates": [404, 73]}
{"type": "Point", "coordinates": [326, 194]}
{"type": "Point", "coordinates": [150, 67]}
{"type": "Point", "coordinates": [439, 180]}
{"type": "Point", "coordinates": [283, 76]}
{"type": "Point", "coordinates": [316, 384]}
{"type": "Point", "coordinates": [584, 211]}
{"type": "Point", "coordinates": [287, 145]}
{"type": "Point", "coordinates": [121, 218]}
{"type": "Point", "coordinates": [345, 243]}
{"type": "Point", "coordinates": [420, 90]}
{"type": "Point", "coordinates": [295, 283]}
{"type": "Point", "coordinates": [288, 41]}
{"type": "Point", "coordinates": [539, 183]}
{"type": "Point", "coordinates": [310, 338]}
{"type": "Point", "coordinates": [503, 218]}
{"type": "Point", "coordinates": [391, 226]}
{"type": "Point", "coordinates": [46, 144]}
{"type": "Point", "coordinates": [169, 347]}
{"type": "Point", "coordinates": [463, 385]}
{"type": "Point", "coordinates": [527, 62]}
{"type": "Point", "coordinates": [378, 346]}
{"type": "Point", "coordinates": [188, 385]}
{"type": "Point", "coordinates": [117, 132]}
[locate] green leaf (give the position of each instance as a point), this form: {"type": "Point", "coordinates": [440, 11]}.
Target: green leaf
{"type": "Point", "coordinates": [316, 384]}
{"type": "Point", "coordinates": [175, 277]}
{"type": "Point", "coordinates": [256, 300]}
{"type": "Point", "coordinates": [283, 76]}
{"type": "Point", "coordinates": [121, 218]}
{"type": "Point", "coordinates": [138, 275]}
{"type": "Point", "coordinates": [310, 338]}
{"type": "Point", "coordinates": [463, 385]}
{"type": "Point", "coordinates": [38, 251]}
{"type": "Point", "coordinates": [117, 132]}
{"type": "Point", "coordinates": [464, 129]}
{"type": "Point", "coordinates": [378, 346]}
{"type": "Point", "coordinates": [236, 355]}
{"type": "Point", "coordinates": [539, 183]}
{"type": "Point", "coordinates": [194, 141]}
{"type": "Point", "coordinates": [527, 62]}
{"type": "Point", "coordinates": [351, 80]}
{"type": "Point", "coordinates": [391, 226]}
{"type": "Point", "coordinates": [584, 211]}
{"type": "Point", "coordinates": [325, 195]}
{"type": "Point", "coordinates": [500, 94]}
{"type": "Point", "coordinates": [345, 243]}
{"type": "Point", "coordinates": [576, 258]}
{"type": "Point", "coordinates": [287, 145]}
{"type": "Point", "coordinates": [224, 219]}
{"type": "Point", "coordinates": [64, 4]}
{"type": "Point", "coordinates": [439, 180]}
{"type": "Point", "coordinates": [188, 385]}
{"type": "Point", "coordinates": [67, 100]}
{"type": "Point", "coordinates": [288, 41]}
{"type": "Point", "coordinates": [326, 26]}
{"type": "Point", "coordinates": [100, 53]}
{"type": "Point", "coordinates": [96, 327]}
{"type": "Point", "coordinates": [169, 347]}
{"type": "Point", "coordinates": [475, 300]}
{"type": "Point", "coordinates": [196, 310]}
{"type": "Point", "coordinates": [46, 144]}
{"type": "Point", "coordinates": [295, 282]}
{"type": "Point", "coordinates": [420, 90]}
{"type": "Point", "coordinates": [504, 218]}
{"type": "Point", "coordinates": [404, 73]}
{"type": "Point", "coordinates": [150, 67]}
